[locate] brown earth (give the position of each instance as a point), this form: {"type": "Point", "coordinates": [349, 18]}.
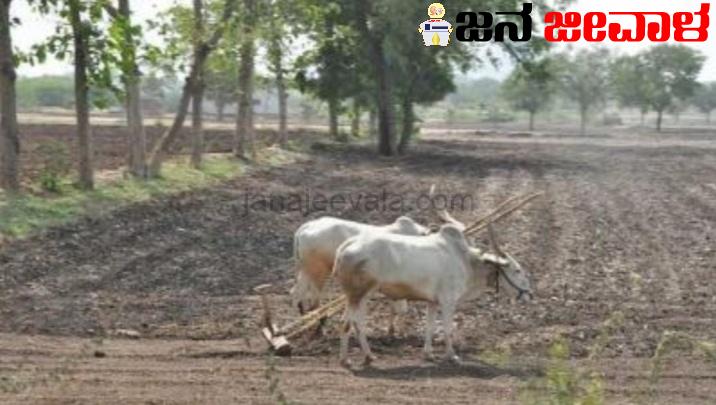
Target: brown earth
{"type": "Point", "coordinates": [624, 234]}
{"type": "Point", "coordinates": [110, 143]}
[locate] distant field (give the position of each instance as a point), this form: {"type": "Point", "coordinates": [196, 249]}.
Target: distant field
{"type": "Point", "coordinates": [624, 234]}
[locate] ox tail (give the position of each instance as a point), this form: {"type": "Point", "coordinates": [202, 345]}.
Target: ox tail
{"type": "Point", "coordinates": [296, 250]}
{"type": "Point", "coordinates": [302, 290]}
{"type": "Point", "coordinates": [297, 244]}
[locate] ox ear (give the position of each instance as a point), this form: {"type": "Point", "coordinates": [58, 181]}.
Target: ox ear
{"type": "Point", "coordinates": [454, 234]}
{"type": "Point", "coordinates": [494, 259]}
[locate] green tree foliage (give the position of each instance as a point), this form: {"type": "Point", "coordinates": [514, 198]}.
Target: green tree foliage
{"type": "Point", "coordinates": [531, 86]}
{"type": "Point", "coordinates": [671, 71]}
{"type": "Point", "coordinates": [221, 79]}
{"type": "Point", "coordinates": [45, 91]}
{"type": "Point", "coordinates": [705, 99]}
{"type": "Point", "coordinates": [162, 88]}
{"type": "Point", "coordinates": [585, 80]}
{"type": "Point", "coordinates": [475, 93]}
{"type": "Point", "coordinates": [630, 84]}
{"type": "Point", "coordinates": [330, 70]}
{"type": "Point", "coordinates": [103, 42]}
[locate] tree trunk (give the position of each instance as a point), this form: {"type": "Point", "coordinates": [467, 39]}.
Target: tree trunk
{"type": "Point", "coordinates": [355, 120]}
{"type": "Point", "coordinates": [408, 125]}
{"type": "Point", "coordinates": [244, 136]}
{"type": "Point", "coordinates": [282, 109]}
{"type": "Point", "coordinates": [136, 136]}
{"type": "Point", "coordinates": [659, 117]}
{"type": "Point", "coordinates": [9, 139]}
{"type": "Point", "coordinates": [372, 122]}
{"type": "Point", "coordinates": [197, 124]}
{"type": "Point", "coordinates": [582, 122]}
{"type": "Point", "coordinates": [84, 135]}
{"type": "Point", "coordinates": [161, 148]}
{"type": "Point", "coordinates": [281, 88]}
{"type": "Point", "coordinates": [643, 117]}
{"type": "Point", "coordinates": [386, 109]}
{"type": "Point", "coordinates": [333, 130]}
{"type": "Point", "coordinates": [220, 106]}
{"type": "Point", "coordinates": [532, 120]}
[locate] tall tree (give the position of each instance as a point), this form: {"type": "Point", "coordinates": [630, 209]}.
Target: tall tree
{"type": "Point", "coordinates": [671, 71]}
{"type": "Point", "coordinates": [276, 55]}
{"type": "Point", "coordinates": [197, 124]}
{"type": "Point", "coordinates": [531, 86]}
{"type": "Point", "coordinates": [244, 135]}
{"type": "Point", "coordinates": [80, 35]}
{"type": "Point", "coordinates": [372, 34]}
{"type": "Point", "coordinates": [125, 46]}
{"type": "Point", "coordinates": [705, 99]}
{"type": "Point", "coordinates": [83, 32]}
{"type": "Point", "coordinates": [629, 83]}
{"type": "Point", "coordinates": [161, 148]}
{"type": "Point", "coordinates": [331, 69]}
{"type": "Point", "coordinates": [425, 80]}
{"type": "Point", "coordinates": [9, 139]}
{"type": "Point", "coordinates": [220, 78]}
{"type": "Point", "coordinates": [585, 80]}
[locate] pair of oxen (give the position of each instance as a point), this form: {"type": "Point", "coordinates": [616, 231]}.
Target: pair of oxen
{"type": "Point", "coordinates": [403, 261]}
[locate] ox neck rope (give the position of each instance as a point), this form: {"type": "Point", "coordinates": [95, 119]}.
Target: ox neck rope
{"type": "Point", "coordinates": [521, 291]}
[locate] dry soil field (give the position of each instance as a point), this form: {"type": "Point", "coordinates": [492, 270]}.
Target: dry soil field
{"type": "Point", "coordinates": [625, 232]}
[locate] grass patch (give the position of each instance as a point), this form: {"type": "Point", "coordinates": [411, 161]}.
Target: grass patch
{"type": "Point", "coordinates": [23, 214]}
{"type": "Point", "coordinates": [564, 383]}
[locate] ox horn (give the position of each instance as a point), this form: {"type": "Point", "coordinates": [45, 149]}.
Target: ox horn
{"type": "Point", "coordinates": [444, 215]}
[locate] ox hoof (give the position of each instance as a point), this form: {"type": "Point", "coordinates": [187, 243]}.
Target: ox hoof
{"type": "Point", "coordinates": [429, 357]}
{"type": "Point", "coordinates": [369, 359]}
{"type": "Point", "coordinates": [318, 332]}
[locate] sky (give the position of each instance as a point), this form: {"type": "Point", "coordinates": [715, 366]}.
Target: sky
{"type": "Point", "coordinates": [35, 29]}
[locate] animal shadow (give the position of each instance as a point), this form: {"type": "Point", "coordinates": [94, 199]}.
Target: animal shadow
{"type": "Point", "coordinates": [467, 368]}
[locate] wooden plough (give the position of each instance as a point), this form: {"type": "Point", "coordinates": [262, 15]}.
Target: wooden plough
{"type": "Point", "coordinates": [279, 338]}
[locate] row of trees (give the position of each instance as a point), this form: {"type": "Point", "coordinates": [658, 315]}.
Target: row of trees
{"type": "Point", "coordinates": [359, 58]}
{"type": "Point", "coordinates": [659, 79]}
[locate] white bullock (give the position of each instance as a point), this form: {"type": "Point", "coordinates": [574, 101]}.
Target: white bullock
{"type": "Point", "coordinates": [440, 269]}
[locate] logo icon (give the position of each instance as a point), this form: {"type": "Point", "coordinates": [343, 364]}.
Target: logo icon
{"type": "Point", "coordinates": [436, 31]}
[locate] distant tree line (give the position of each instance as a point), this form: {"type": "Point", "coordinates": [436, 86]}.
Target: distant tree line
{"type": "Point", "coordinates": [661, 79]}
